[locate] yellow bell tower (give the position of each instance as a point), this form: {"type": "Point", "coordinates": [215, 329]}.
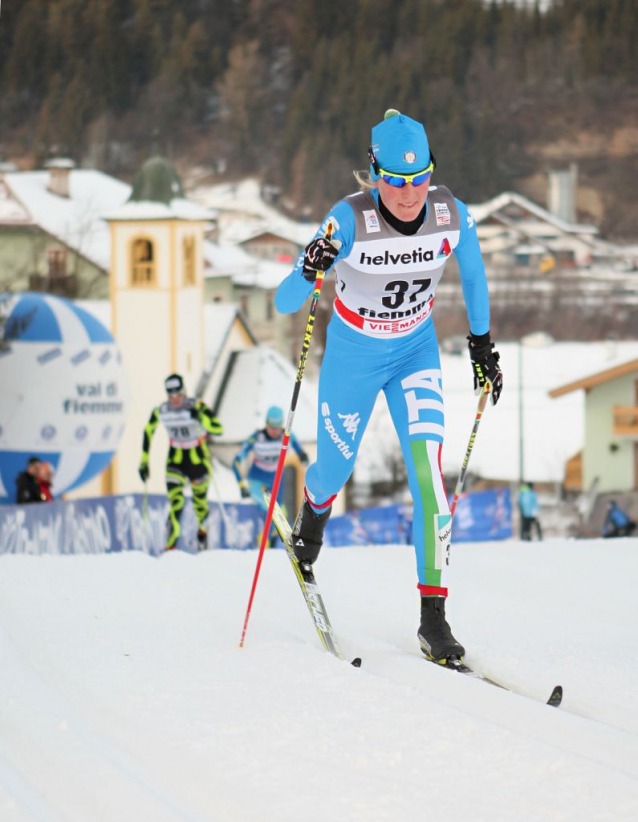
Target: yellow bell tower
{"type": "Point", "coordinates": [157, 305]}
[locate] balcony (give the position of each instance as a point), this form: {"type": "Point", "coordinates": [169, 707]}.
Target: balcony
{"type": "Point", "coordinates": [626, 421]}
{"type": "Point", "coordinates": [65, 285]}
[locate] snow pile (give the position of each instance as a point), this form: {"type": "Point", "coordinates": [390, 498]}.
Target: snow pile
{"type": "Point", "coordinates": [124, 694]}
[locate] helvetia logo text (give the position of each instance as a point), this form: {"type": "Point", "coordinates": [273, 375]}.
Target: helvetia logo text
{"type": "Point", "coordinates": [406, 258]}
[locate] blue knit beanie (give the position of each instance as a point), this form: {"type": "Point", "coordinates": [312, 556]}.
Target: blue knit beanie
{"type": "Point", "coordinates": [400, 144]}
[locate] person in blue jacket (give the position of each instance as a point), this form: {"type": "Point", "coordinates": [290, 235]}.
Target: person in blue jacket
{"type": "Point", "coordinates": [528, 510]}
{"type": "Point", "coordinates": [388, 246]}
{"type": "Point", "coordinates": [263, 448]}
{"type": "Point", "coordinates": [617, 522]}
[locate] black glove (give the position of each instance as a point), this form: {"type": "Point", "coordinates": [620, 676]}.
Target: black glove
{"type": "Point", "coordinates": [304, 459]}
{"type": "Point", "coordinates": [143, 472]}
{"type": "Point", "coordinates": [318, 256]}
{"type": "Point", "coordinates": [485, 365]}
{"type": "Point", "coordinates": [245, 490]}
{"type": "Point", "coordinates": [195, 412]}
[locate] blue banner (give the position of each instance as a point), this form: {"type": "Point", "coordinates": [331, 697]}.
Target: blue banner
{"type": "Point", "coordinates": [133, 523]}
{"type": "Point", "coordinates": [483, 515]}
{"type": "Point", "coordinates": [120, 523]}
{"type": "Point", "coordinates": [479, 517]}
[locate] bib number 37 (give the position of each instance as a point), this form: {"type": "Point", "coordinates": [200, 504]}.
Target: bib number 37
{"type": "Point", "coordinates": [399, 292]}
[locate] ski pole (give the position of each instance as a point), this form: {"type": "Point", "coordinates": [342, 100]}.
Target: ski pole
{"type": "Point", "coordinates": [305, 346]}
{"type": "Point", "coordinates": [479, 413]}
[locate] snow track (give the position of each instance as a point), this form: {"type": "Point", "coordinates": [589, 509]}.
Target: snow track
{"type": "Point", "coordinates": [124, 696]}
{"type": "Point", "coordinates": [80, 774]}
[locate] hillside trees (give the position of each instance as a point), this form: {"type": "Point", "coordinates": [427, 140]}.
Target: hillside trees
{"type": "Point", "coordinates": [289, 89]}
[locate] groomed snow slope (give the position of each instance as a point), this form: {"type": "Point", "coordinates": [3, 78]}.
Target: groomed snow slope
{"type": "Point", "coordinates": [124, 696]}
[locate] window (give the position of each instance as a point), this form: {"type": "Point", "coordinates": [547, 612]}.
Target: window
{"type": "Point", "coordinates": [56, 258]}
{"type": "Point", "coordinates": [143, 262]}
{"type": "Point", "coordinates": [189, 260]}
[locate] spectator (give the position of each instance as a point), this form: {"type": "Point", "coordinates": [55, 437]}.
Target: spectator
{"type": "Point", "coordinates": [28, 483]}
{"type": "Point", "coordinates": [528, 508]}
{"type": "Point", "coordinates": [45, 478]}
{"type": "Point", "coordinates": [617, 523]}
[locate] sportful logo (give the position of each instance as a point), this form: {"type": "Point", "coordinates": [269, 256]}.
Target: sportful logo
{"type": "Point", "coordinates": [350, 422]}
{"type": "Point", "coordinates": [445, 249]}
{"type": "Point", "coordinates": [342, 445]}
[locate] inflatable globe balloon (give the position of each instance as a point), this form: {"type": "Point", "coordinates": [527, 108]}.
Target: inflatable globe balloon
{"type": "Point", "coordinates": [63, 391]}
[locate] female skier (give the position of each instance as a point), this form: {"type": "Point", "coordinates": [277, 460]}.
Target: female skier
{"type": "Point", "coordinates": [389, 245]}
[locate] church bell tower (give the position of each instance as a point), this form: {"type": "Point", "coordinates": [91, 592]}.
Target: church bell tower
{"type": "Point", "coordinates": [157, 305]}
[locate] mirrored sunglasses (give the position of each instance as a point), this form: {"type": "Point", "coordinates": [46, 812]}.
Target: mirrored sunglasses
{"type": "Point", "coordinates": [399, 180]}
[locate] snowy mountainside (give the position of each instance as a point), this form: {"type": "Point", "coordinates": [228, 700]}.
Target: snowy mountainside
{"type": "Point", "coordinates": [124, 694]}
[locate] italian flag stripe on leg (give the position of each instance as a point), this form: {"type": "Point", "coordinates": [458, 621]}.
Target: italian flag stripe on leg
{"type": "Point", "coordinates": [426, 456]}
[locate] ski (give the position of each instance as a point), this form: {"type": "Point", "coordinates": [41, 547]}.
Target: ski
{"type": "Point", "coordinates": [309, 588]}
{"type": "Point", "coordinates": [460, 667]}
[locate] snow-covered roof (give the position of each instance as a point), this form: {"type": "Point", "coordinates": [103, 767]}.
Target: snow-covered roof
{"type": "Point", "coordinates": [227, 260]}
{"type": "Point", "coordinates": [483, 211]}
{"type": "Point", "coordinates": [219, 319]}
{"type": "Point", "coordinates": [553, 428]}
{"type": "Point", "coordinates": [76, 220]}
{"type": "Point", "coordinates": [12, 212]}
{"type": "Point", "coordinates": [261, 377]}
{"type": "Point", "coordinates": [178, 209]}
{"type": "Point", "coordinates": [243, 214]}
{"type": "Point", "coordinates": [592, 379]}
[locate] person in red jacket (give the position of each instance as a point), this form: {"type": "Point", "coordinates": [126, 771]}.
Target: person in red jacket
{"type": "Point", "coordinates": [45, 480]}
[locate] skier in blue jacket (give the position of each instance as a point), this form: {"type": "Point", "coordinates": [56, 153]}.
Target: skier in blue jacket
{"type": "Point", "coordinates": [388, 247]}
{"type": "Point", "coordinates": [264, 446]}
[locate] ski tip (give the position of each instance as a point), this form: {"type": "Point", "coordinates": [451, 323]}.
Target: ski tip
{"type": "Point", "coordinates": [557, 697]}
{"type": "Point", "coordinates": [356, 662]}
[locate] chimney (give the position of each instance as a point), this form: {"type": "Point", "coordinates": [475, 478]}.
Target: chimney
{"type": "Point", "coordinates": [60, 175]}
{"type": "Point", "coordinates": [561, 193]}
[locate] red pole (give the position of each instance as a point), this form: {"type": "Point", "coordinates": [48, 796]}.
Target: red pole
{"type": "Point", "coordinates": [287, 432]}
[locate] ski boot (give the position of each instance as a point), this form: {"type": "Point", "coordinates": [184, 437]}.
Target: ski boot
{"type": "Point", "coordinates": [435, 635]}
{"type": "Point", "coordinates": [202, 540]}
{"type": "Point", "coordinates": [307, 535]}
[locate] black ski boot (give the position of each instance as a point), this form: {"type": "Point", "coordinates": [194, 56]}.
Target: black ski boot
{"type": "Point", "coordinates": [307, 534]}
{"type": "Point", "coordinates": [435, 635]}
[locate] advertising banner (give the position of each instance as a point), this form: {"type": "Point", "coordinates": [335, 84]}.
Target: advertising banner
{"type": "Point", "coordinates": [133, 522]}
{"type": "Point", "coordinates": [480, 516]}
{"type": "Point", "coordinates": [119, 523]}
